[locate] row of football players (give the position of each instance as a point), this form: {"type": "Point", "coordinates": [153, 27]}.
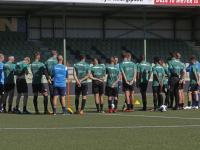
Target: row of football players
{"type": "Point", "coordinates": [82, 72]}
{"type": "Point", "coordinates": [127, 70]}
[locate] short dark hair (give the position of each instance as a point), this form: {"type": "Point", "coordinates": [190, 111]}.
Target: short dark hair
{"type": "Point", "coordinates": [173, 54]}
{"type": "Point", "coordinates": [161, 60]}
{"type": "Point", "coordinates": [128, 55]}
{"type": "Point", "coordinates": [36, 54]}
{"type": "Point", "coordinates": [168, 58]}
{"type": "Point", "coordinates": [112, 59]}
{"type": "Point", "coordinates": [156, 58]}
{"type": "Point", "coordinates": [82, 56]}
{"type": "Point", "coordinates": [193, 57]}
{"type": "Point", "coordinates": [54, 52]}
{"type": "Point", "coordinates": [142, 57]}
{"type": "Point", "coordinates": [124, 54]}
{"type": "Point", "coordinates": [94, 59]}
{"type": "Point", "coordinates": [115, 57]}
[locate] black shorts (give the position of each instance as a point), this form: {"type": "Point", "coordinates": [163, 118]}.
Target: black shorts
{"type": "Point", "coordinates": [39, 88]}
{"type": "Point", "coordinates": [1, 89]}
{"type": "Point", "coordinates": [157, 89]}
{"type": "Point", "coordinates": [143, 87]}
{"type": "Point", "coordinates": [173, 83]}
{"type": "Point", "coordinates": [127, 87]}
{"type": "Point", "coordinates": [111, 91]}
{"type": "Point", "coordinates": [165, 88]}
{"type": "Point", "coordinates": [9, 87]}
{"type": "Point", "coordinates": [180, 86]}
{"type": "Point", "coordinates": [97, 87]}
{"type": "Point", "coordinates": [22, 86]}
{"type": "Point", "coordinates": [83, 89]}
{"type": "Point", "coordinates": [51, 88]}
{"type": "Point", "coordinates": [193, 87]}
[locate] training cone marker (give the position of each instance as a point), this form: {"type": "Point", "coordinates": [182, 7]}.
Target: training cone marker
{"type": "Point", "coordinates": [136, 102]}
{"type": "Point", "coordinates": [69, 111]}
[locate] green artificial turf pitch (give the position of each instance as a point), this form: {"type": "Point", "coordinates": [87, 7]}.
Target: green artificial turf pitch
{"type": "Point", "coordinates": [169, 130]}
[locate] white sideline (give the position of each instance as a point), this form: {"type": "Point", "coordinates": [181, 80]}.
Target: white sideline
{"type": "Point", "coordinates": [128, 127]}
{"type": "Point", "coordinates": [163, 117]}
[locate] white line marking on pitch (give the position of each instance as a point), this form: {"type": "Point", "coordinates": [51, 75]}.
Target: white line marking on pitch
{"type": "Point", "coordinates": [128, 127]}
{"type": "Point", "coordinates": [153, 116]}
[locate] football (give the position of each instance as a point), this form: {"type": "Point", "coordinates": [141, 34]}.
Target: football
{"type": "Point", "coordinates": [163, 108]}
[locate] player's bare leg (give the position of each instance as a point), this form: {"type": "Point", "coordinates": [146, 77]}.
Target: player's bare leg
{"type": "Point", "coordinates": [97, 101]}
{"type": "Point", "coordinates": [127, 95]}
{"type": "Point", "coordinates": [180, 98]}
{"type": "Point", "coordinates": [132, 100]}
{"type": "Point", "coordinates": [101, 103]}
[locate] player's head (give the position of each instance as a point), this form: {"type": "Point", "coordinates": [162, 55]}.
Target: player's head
{"type": "Point", "coordinates": [161, 62]}
{"type": "Point", "coordinates": [60, 59]}
{"type": "Point", "coordinates": [27, 60]}
{"type": "Point", "coordinates": [124, 54]}
{"type": "Point", "coordinates": [156, 59]}
{"type": "Point", "coordinates": [37, 55]}
{"type": "Point", "coordinates": [116, 60]}
{"type": "Point", "coordinates": [142, 57]}
{"type": "Point", "coordinates": [1, 57]}
{"type": "Point", "coordinates": [173, 55]}
{"type": "Point", "coordinates": [54, 53]}
{"type": "Point", "coordinates": [11, 59]}
{"type": "Point", "coordinates": [193, 59]}
{"type": "Point", "coordinates": [112, 60]}
{"type": "Point", "coordinates": [128, 55]}
{"type": "Point", "coordinates": [94, 61]}
{"type": "Point", "coordinates": [168, 59]}
{"type": "Point", "coordinates": [178, 56]}
{"type": "Point", "coordinates": [82, 57]}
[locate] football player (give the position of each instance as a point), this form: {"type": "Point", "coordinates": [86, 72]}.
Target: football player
{"type": "Point", "coordinates": [60, 73]}
{"type": "Point", "coordinates": [97, 73]}
{"type": "Point", "coordinates": [143, 76]}
{"type": "Point", "coordinates": [111, 89]}
{"type": "Point", "coordinates": [38, 69]}
{"type": "Point", "coordinates": [81, 73]}
{"type": "Point", "coordinates": [9, 83]}
{"type": "Point", "coordinates": [22, 87]}
{"type": "Point", "coordinates": [128, 70]}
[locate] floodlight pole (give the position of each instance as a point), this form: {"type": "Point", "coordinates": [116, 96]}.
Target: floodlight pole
{"type": "Point", "coordinates": [144, 22]}
{"type": "Point", "coordinates": [64, 36]}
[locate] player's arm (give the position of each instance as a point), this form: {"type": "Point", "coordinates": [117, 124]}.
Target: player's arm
{"type": "Point", "coordinates": [149, 71]}
{"type": "Point", "coordinates": [1, 69]}
{"type": "Point", "coordinates": [138, 76]}
{"type": "Point", "coordinates": [149, 75]}
{"type": "Point", "coordinates": [124, 76]}
{"type": "Point", "coordinates": [113, 85]}
{"type": "Point", "coordinates": [76, 78]}
{"type": "Point", "coordinates": [86, 77]}
{"type": "Point", "coordinates": [134, 76]}
{"type": "Point", "coordinates": [67, 72]}
{"type": "Point", "coordinates": [93, 78]}
{"type": "Point", "coordinates": [88, 74]}
{"type": "Point", "coordinates": [162, 79]}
